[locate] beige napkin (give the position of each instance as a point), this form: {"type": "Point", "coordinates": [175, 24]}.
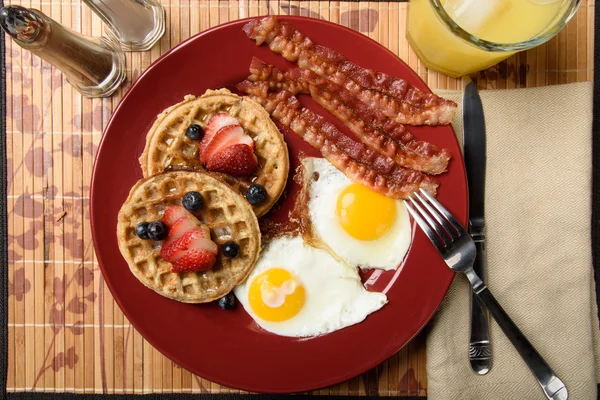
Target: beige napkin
{"type": "Point", "coordinates": [538, 208]}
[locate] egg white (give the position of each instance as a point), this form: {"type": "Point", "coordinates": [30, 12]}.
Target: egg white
{"type": "Point", "coordinates": [335, 296]}
{"type": "Point", "coordinates": [386, 252]}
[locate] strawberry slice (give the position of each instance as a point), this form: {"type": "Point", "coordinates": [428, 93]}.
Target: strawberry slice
{"type": "Point", "coordinates": [173, 214]}
{"type": "Point", "coordinates": [237, 160]}
{"type": "Point", "coordinates": [215, 123]}
{"type": "Point", "coordinates": [182, 223]}
{"type": "Point", "coordinates": [227, 136]}
{"type": "Point", "coordinates": [197, 238]}
{"type": "Point", "coordinates": [193, 240]}
{"type": "Point", "coordinates": [195, 260]}
{"type": "Point", "coordinates": [194, 251]}
{"type": "Point", "coordinates": [180, 228]}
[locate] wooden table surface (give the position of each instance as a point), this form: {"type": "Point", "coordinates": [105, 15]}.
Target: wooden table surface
{"type": "Point", "coordinates": [66, 333]}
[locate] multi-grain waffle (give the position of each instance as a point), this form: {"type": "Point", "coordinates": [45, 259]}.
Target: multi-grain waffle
{"type": "Point", "coordinates": [168, 146]}
{"type": "Point", "coordinates": [228, 215]}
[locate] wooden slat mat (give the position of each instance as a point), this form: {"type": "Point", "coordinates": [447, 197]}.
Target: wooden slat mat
{"type": "Point", "coordinates": [66, 333]}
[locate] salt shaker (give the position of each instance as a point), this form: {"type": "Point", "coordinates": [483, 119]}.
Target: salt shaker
{"type": "Point", "coordinates": [137, 24]}
{"type": "Point", "coordinates": [95, 67]}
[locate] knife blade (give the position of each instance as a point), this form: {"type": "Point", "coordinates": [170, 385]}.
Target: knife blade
{"type": "Point", "coordinates": [480, 355]}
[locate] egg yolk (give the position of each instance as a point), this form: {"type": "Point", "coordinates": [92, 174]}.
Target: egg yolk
{"type": "Point", "coordinates": [364, 214]}
{"type": "Point", "coordinates": [276, 295]}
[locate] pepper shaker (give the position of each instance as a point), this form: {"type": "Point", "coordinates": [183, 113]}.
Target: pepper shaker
{"type": "Point", "coordinates": [137, 24]}
{"type": "Point", "coordinates": [95, 67]}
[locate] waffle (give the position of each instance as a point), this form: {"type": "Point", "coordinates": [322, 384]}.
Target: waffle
{"type": "Point", "coordinates": [168, 146]}
{"type": "Point", "coordinates": [228, 215]}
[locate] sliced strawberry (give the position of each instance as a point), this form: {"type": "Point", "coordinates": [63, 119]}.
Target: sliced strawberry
{"type": "Point", "coordinates": [237, 160]}
{"type": "Point", "coordinates": [216, 122]}
{"type": "Point", "coordinates": [195, 260]}
{"type": "Point", "coordinates": [174, 213]}
{"type": "Point", "coordinates": [180, 228]}
{"type": "Point", "coordinates": [180, 238]}
{"type": "Point", "coordinates": [193, 242]}
{"type": "Point", "coordinates": [183, 225]}
{"type": "Point", "coordinates": [180, 221]}
{"type": "Point", "coordinates": [227, 136]}
{"type": "Point", "coordinates": [196, 238]}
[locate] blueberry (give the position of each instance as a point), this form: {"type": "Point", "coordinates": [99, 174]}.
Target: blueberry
{"type": "Point", "coordinates": [256, 194]}
{"type": "Point", "coordinates": [157, 230]}
{"type": "Point", "coordinates": [194, 132]}
{"type": "Point", "coordinates": [142, 230]}
{"type": "Point", "coordinates": [230, 249]}
{"type": "Point", "coordinates": [227, 302]}
{"type": "Point", "coordinates": [192, 201]}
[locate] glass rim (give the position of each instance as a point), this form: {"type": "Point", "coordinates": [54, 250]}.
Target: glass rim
{"type": "Point", "coordinates": [504, 47]}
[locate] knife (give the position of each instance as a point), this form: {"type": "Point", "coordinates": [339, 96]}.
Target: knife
{"type": "Point", "coordinates": [480, 355]}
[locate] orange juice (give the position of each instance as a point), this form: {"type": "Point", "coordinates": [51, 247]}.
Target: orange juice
{"type": "Point", "coordinates": [495, 21]}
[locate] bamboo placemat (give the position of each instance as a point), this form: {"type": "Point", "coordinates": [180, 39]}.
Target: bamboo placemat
{"type": "Point", "coordinates": [65, 332]}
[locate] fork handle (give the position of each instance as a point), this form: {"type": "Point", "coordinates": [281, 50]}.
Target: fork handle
{"type": "Point", "coordinates": [552, 386]}
{"type": "Point", "coordinates": [480, 354]}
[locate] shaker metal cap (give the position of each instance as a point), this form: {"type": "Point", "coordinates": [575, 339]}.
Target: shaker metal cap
{"type": "Point", "coordinates": [20, 23]}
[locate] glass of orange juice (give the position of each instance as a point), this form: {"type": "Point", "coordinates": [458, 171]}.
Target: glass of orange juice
{"type": "Point", "coordinates": [458, 37]}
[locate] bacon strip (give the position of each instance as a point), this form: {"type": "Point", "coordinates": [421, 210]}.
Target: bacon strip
{"type": "Point", "coordinates": [372, 127]}
{"type": "Point", "coordinates": [396, 98]}
{"type": "Point", "coordinates": [355, 160]}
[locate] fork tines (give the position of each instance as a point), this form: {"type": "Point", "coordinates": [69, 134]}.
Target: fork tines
{"type": "Point", "coordinates": [437, 222]}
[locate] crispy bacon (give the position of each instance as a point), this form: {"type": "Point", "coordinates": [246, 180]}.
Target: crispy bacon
{"type": "Point", "coordinates": [396, 98]}
{"type": "Point", "coordinates": [355, 160]}
{"type": "Point", "coordinates": [372, 127]}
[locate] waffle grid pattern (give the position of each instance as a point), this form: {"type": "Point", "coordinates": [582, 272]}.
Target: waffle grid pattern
{"type": "Point", "coordinates": [167, 144]}
{"type": "Point", "coordinates": [226, 213]}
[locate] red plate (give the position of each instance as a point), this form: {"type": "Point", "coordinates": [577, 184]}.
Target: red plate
{"type": "Point", "coordinates": [227, 347]}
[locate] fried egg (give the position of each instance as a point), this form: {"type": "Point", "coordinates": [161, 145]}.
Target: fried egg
{"type": "Point", "coordinates": [301, 291]}
{"type": "Point", "coordinates": [361, 227]}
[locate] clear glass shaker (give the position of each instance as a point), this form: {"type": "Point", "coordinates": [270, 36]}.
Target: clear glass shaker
{"type": "Point", "coordinates": [137, 24]}
{"type": "Point", "coordinates": [94, 66]}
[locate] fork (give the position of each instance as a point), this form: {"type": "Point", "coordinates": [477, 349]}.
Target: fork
{"type": "Point", "coordinates": [458, 250]}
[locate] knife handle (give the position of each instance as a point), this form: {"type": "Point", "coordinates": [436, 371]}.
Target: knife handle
{"type": "Point", "coordinates": [480, 352]}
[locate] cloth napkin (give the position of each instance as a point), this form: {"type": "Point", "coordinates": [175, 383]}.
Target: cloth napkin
{"type": "Point", "coordinates": [538, 241]}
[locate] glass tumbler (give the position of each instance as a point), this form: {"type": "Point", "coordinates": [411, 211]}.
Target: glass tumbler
{"type": "Point", "coordinates": [458, 37]}
{"type": "Point", "coordinates": [137, 24]}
